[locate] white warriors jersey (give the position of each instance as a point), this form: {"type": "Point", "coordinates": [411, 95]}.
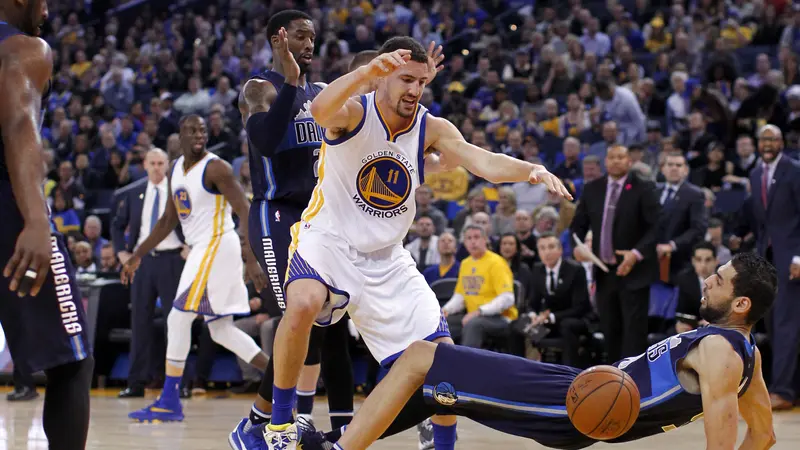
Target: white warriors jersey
{"type": "Point", "coordinates": [367, 180]}
{"type": "Point", "coordinates": [205, 216]}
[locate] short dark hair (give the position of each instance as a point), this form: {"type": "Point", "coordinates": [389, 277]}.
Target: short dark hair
{"type": "Point", "coordinates": [548, 234]}
{"type": "Point", "coordinates": [362, 58]}
{"type": "Point", "coordinates": [282, 20]}
{"type": "Point", "coordinates": [424, 216]}
{"type": "Point", "coordinates": [187, 117]}
{"type": "Point", "coordinates": [755, 279]}
{"type": "Point", "coordinates": [676, 154]}
{"type": "Point", "coordinates": [418, 52]}
{"type": "Point", "coordinates": [602, 85]}
{"type": "Point", "coordinates": [715, 223]}
{"type": "Point", "coordinates": [705, 245]}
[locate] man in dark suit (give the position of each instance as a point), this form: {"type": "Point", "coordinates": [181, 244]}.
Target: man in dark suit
{"type": "Point", "coordinates": [560, 299]}
{"type": "Point", "coordinates": [775, 190]}
{"type": "Point", "coordinates": [684, 220]}
{"type": "Point", "coordinates": [690, 287]}
{"type": "Point", "coordinates": [621, 210]}
{"type": "Point", "coordinates": [138, 208]}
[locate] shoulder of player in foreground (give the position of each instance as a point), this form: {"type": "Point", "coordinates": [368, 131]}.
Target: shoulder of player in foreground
{"type": "Point", "coordinates": [33, 53]}
{"type": "Point", "coordinates": [716, 354]}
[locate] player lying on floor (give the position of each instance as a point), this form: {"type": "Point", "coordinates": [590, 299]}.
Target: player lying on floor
{"type": "Point", "coordinates": [712, 372]}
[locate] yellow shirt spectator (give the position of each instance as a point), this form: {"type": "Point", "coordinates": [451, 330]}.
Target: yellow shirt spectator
{"type": "Point", "coordinates": [481, 280]}
{"type": "Point", "coordinates": [450, 186]}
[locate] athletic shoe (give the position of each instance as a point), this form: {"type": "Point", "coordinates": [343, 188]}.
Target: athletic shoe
{"type": "Point", "coordinates": [425, 431]}
{"type": "Point", "coordinates": [159, 411]}
{"type": "Point", "coordinates": [310, 438]}
{"type": "Point", "coordinates": [253, 439]}
{"type": "Point", "coordinates": [282, 437]}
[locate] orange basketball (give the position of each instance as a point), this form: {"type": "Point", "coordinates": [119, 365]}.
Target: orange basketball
{"type": "Point", "coordinates": [603, 402]}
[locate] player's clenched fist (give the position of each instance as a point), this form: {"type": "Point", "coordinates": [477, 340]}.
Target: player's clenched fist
{"type": "Point", "coordinates": [386, 63]}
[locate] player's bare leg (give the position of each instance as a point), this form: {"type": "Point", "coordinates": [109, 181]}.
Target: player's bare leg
{"type": "Point", "coordinates": [305, 298]}
{"type": "Point", "coordinates": [389, 397]}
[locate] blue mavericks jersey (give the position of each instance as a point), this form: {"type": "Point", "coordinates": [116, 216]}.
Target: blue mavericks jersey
{"type": "Point", "coordinates": [665, 404]}
{"type": "Point", "coordinates": [291, 174]}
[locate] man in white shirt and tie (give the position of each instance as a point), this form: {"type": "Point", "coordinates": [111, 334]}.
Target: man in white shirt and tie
{"type": "Point", "coordinates": [139, 206]}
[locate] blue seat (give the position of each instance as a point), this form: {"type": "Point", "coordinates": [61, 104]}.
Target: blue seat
{"type": "Point", "coordinates": [663, 301]}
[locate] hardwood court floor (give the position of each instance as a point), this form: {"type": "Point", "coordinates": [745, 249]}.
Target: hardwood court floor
{"type": "Point", "coordinates": [209, 420]}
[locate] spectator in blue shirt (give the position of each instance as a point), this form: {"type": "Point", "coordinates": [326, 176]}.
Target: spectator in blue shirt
{"type": "Point", "coordinates": [448, 265]}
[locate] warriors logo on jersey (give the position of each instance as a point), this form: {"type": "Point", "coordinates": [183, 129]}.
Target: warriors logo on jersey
{"type": "Point", "coordinates": [384, 183]}
{"type": "Point", "coordinates": [183, 204]}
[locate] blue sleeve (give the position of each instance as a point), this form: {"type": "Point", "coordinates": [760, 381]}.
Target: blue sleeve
{"type": "Point", "coordinates": [261, 125]}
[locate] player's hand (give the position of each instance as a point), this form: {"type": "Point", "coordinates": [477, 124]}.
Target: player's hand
{"type": "Point", "coordinates": [734, 242]}
{"type": "Point", "coordinates": [664, 250]}
{"type": "Point", "coordinates": [628, 260]}
{"type": "Point", "coordinates": [124, 256]}
{"type": "Point", "coordinates": [468, 317]}
{"type": "Point", "coordinates": [255, 304]}
{"type": "Point", "coordinates": [291, 71]}
{"type": "Point", "coordinates": [255, 274]}
{"type": "Point", "coordinates": [30, 264]}
{"type": "Point", "coordinates": [581, 253]}
{"type": "Point", "coordinates": [554, 185]}
{"type": "Point", "coordinates": [385, 64]}
{"type": "Point", "coordinates": [435, 58]}
{"type": "Point", "coordinates": [185, 251]}
{"type": "Point", "coordinates": [129, 270]}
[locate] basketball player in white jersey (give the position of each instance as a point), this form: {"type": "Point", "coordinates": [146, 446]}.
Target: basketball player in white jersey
{"type": "Point", "coordinates": [203, 192]}
{"type": "Point", "coordinates": [347, 251]}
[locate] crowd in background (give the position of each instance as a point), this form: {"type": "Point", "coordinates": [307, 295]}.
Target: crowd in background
{"type": "Point", "coordinates": [684, 86]}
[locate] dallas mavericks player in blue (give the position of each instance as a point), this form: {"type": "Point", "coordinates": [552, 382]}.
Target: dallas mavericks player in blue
{"type": "Point", "coordinates": [40, 302]}
{"type": "Point", "coordinates": [712, 372]}
{"type": "Point", "coordinates": [285, 144]}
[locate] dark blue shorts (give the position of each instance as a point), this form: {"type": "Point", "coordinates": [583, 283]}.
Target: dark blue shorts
{"type": "Point", "coordinates": [48, 330]}
{"type": "Point", "coordinates": [507, 393]}
{"type": "Point", "coordinates": [270, 225]}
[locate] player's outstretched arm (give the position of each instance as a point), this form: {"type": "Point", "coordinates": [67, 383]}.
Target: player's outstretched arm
{"type": "Point", "coordinates": [494, 167]}
{"type": "Point", "coordinates": [719, 369]}
{"type": "Point", "coordinates": [24, 74]}
{"type": "Point", "coordinates": [220, 175]}
{"type": "Point", "coordinates": [756, 411]}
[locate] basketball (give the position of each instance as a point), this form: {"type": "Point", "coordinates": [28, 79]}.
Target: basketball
{"type": "Point", "coordinates": [603, 402]}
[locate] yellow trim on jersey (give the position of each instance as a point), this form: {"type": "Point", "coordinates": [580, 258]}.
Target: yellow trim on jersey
{"type": "Point", "coordinates": [392, 134]}
{"type": "Point", "coordinates": [294, 232]}
{"type": "Point", "coordinates": [201, 278]}
{"type": "Point", "coordinates": [317, 197]}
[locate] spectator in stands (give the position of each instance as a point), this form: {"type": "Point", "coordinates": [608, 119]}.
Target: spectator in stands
{"type": "Point", "coordinates": [84, 261]}
{"type": "Point", "coordinates": [224, 95]}
{"type": "Point", "coordinates": [510, 248]}
{"type": "Point", "coordinates": [690, 284]}
{"type": "Point", "coordinates": [763, 67]}
{"type": "Point", "coordinates": [677, 109]}
{"type": "Point", "coordinates": [92, 230]}
{"type": "Point", "coordinates": [424, 200]}
{"type": "Point", "coordinates": [684, 218]}
{"type": "Point", "coordinates": [595, 41]}
{"type": "Point", "coordinates": [523, 229]}
{"type": "Point", "coordinates": [448, 265]}
{"type": "Point", "coordinates": [476, 202]}
{"type": "Point", "coordinates": [69, 186]}
{"type": "Point", "coordinates": [623, 108]}
{"type": "Point", "coordinates": [424, 248]}
{"type": "Point", "coordinates": [711, 174]}
{"type": "Point", "coordinates": [610, 138]}
{"type": "Point", "coordinates": [560, 300]}
{"type": "Point", "coordinates": [570, 168]}
{"type": "Point", "coordinates": [565, 211]}
{"type": "Point", "coordinates": [592, 168]}
{"type": "Point", "coordinates": [694, 141]}
{"type": "Point", "coordinates": [503, 217]}
{"type": "Point", "coordinates": [483, 303]}
{"type": "Point", "coordinates": [108, 259]}
{"type": "Point", "coordinates": [545, 219]}
{"type": "Point", "coordinates": [775, 185]}
{"type": "Point", "coordinates": [63, 214]}
{"type": "Point", "coordinates": [714, 236]}
{"type": "Point", "coordinates": [127, 135]}
{"type": "Point", "coordinates": [221, 140]}
{"type": "Point", "coordinates": [118, 93]}
{"type": "Point", "coordinates": [196, 101]}
{"type": "Point", "coordinates": [625, 240]}
{"type": "Point", "coordinates": [747, 161]}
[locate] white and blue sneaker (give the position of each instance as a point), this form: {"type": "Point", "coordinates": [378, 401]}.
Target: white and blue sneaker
{"type": "Point", "coordinates": [425, 432]}
{"type": "Point", "coordinates": [252, 439]}
{"type": "Point", "coordinates": [282, 437]}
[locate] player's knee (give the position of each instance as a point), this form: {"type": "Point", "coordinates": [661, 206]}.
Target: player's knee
{"type": "Point", "coordinates": [417, 359]}
{"type": "Point", "coordinates": [304, 305]}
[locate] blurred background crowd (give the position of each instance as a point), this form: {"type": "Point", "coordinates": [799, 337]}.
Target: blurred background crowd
{"type": "Point", "coordinates": [684, 85]}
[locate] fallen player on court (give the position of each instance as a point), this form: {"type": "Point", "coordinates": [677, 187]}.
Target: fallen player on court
{"type": "Point", "coordinates": [712, 372]}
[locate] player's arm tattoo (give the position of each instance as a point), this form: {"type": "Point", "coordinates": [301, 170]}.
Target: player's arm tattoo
{"type": "Point", "coordinates": [24, 75]}
{"type": "Point", "coordinates": [256, 96]}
